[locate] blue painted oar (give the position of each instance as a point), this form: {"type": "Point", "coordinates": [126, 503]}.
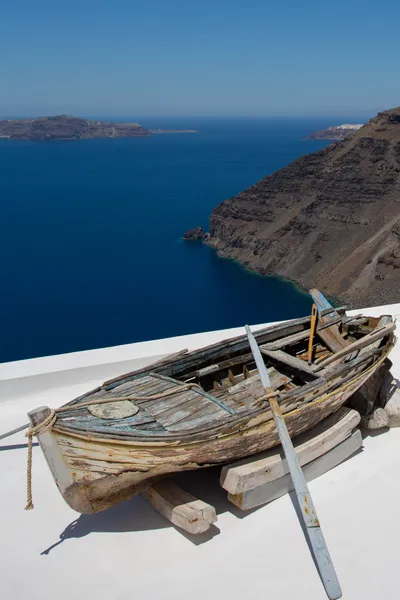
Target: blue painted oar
{"type": "Point", "coordinates": [321, 553]}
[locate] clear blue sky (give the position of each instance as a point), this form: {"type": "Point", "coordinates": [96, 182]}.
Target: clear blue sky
{"type": "Point", "coordinates": [189, 57]}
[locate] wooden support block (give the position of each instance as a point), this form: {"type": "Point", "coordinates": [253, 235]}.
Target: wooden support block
{"type": "Point", "coordinates": [283, 485]}
{"type": "Point", "coordinates": [268, 466]}
{"type": "Point", "coordinates": [180, 507]}
{"type": "Point", "coordinates": [366, 396]}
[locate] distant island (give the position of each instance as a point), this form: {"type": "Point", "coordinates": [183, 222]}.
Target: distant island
{"type": "Point", "coordinates": [336, 133]}
{"type": "Point", "coordinates": [64, 127]}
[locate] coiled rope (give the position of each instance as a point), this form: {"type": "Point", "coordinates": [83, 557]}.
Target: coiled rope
{"type": "Point", "coordinates": [49, 421]}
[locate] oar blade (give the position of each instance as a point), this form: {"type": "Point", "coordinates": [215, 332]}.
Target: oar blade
{"type": "Point", "coordinates": [324, 562]}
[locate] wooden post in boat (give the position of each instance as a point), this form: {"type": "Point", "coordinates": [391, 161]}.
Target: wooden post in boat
{"type": "Point", "coordinates": [312, 330]}
{"type": "Point", "coordinates": [328, 321]}
{"type": "Point", "coordinates": [308, 512]}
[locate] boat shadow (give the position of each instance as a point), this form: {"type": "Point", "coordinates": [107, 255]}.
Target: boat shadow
{"type": "Point", "coordinates": [137, 514]}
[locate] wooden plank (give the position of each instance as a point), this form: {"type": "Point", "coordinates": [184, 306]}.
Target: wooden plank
{"type": "Point", "coordinates": [367, 340]}
{"type": "Point", "coordinates": [180, 508]}
{"type": "Point", "coordinates": [243, 395]}
{"type": "Point", "coordinates": [207, 417]}
{"type": "Point", "coordinates": [336, 321]}
{"type": "Point", "coordinates": [207, 370]}
{"type": "Point", "coordinates": [329, 332]}
{"type": "Point", "coordinates": [289, 360]}
{"type": "Point", "coordinates": [198, 391]}
{"type": "Point", "coordinates": [356, 320]}
{"type": "Point", "coordinates": [190, 409]}
{"type": "Point", "coordinates": [171, 403]}
{"type": "Point", "coordinates": [288, 340]}
{"type": "Point", "coordinates": [277, 380]}
{"type": "Point", "coordinates": [337, 309]}
{"type": "Point", "coordinates": [332, 337]}
{"type": "Point", "coordinates": [325, 308]}
{"type": "Point", "coordinates": [260, 469]}
{"type": "Point", "coordinates": [383, 322]}
{"type": "Point", "coordinates": [279, 487]}
{"type": "Point", "coordinates": [126, 427]}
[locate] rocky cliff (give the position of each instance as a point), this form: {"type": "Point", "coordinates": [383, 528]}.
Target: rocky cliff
{"type": "Point", "coordinates": [63, 127]}
{"type": "Point", "coordinates": [329, 220]}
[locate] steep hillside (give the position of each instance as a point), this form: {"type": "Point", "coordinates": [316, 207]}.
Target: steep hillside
{"type": "Point", "coordinates": [329, 219]}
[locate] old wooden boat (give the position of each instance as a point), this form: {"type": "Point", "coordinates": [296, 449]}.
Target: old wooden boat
{"type": "Point", "coordinates": [206, 407]}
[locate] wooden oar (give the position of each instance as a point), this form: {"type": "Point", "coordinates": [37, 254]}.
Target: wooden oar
{"type": "Point", "coordinates": [5, 435]}
{"type": "Point", "coordinates": [321, 553]}
{"type": "Point", "coordinates": [312, 331]}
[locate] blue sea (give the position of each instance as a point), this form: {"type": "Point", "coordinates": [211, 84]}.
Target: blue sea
{"type": "Point", "coordinates": [91, 234]}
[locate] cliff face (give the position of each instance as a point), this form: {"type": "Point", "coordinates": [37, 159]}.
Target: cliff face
{"type": "Point", "coordinates": [63, 127]}
{"type": "Point", "coordinates": [329, 220]}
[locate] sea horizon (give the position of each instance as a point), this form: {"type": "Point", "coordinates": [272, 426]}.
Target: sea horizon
{"type": "Point", "coordinates": [109, 116]}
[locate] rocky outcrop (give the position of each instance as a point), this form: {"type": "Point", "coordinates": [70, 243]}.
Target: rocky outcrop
{"type": "Point", "coordinates": [197, 234]}
{"type": "Point", "coordinates": [329, 220]}
{"type": "Point", "coordinates": [63, 127]}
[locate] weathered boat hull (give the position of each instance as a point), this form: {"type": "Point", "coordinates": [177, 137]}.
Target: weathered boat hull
{"type": "Point", "coordinates": [93, 473]}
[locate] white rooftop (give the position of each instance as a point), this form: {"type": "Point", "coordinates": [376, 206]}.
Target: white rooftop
{"type": "Point", "coordinates": [130, 551]}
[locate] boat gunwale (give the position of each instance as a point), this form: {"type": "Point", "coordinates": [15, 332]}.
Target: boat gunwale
{"type": "Point", "coordinates": [235, 423]}
{"type": "Point", "coordinates": [143, 371]}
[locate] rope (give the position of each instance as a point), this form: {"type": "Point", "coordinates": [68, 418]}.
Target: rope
{"type": "Point", "coordinates": [49, 421]}
{"type": "Point", "coordinates": [260, 401]}
{"type": "Point", "coordinates": [46, 424]}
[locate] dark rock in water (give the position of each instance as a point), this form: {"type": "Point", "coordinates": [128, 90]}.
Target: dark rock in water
{"type": "Point", "coordinates": [197, 234]}
{"type": "Point", "coordinates": [329, 220]}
